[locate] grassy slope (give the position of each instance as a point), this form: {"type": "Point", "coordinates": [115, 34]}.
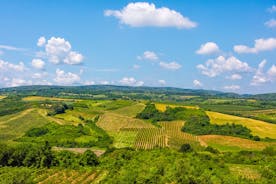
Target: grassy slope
{"type": "Point", "coordinates": [259, 128]}
{"type": "Point", "coordinates": [162, 106]}
{"type": "Point", "coordinates": [15, 126]}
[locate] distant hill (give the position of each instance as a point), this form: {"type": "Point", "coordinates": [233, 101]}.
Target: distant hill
{"type": "Point", "coordinates": [113, 91]}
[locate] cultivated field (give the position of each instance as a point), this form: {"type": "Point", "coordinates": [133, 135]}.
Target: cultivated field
{"type": "Point", "coordinates": [229, 143]}
{"type": "Point", "coordinates": [259, 128]}
{"type": "Point", "coordinates": [41, 98]}
{"type": "Point", "coordinates": [162, 107]}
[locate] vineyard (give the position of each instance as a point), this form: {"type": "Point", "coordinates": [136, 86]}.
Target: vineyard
{"type": "Point", "coordinates": [67, 176]}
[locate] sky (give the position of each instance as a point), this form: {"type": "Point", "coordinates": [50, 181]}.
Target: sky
{"type": "Point", "coordinates": [201, 44]}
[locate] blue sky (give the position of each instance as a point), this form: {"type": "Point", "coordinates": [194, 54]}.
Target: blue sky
{"type": "Point", "coordinates": [208, 44]}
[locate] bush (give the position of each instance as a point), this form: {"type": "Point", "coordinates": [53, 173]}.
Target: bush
{"type": "Point", "coordinates": [186, 148]}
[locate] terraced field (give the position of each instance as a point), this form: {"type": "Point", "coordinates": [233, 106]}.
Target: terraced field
{"type": "Point", "coordinates": [259, 128]}
{"type": "Point", "coordinates": [48, 176]}
{"type": "Point", "coordinates": [229, 143]}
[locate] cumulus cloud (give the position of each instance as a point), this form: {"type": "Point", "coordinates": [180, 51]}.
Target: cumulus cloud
{"type": "Point", "coordinates": [39, 75]}
{"type": "Point", "coordinates": [219, 65]}
{"type": "Point", "coordinates": [41, 41]}
{"type": "Point", "coordinates": [232, 87]}
{"type": "Point", "coordinates": [208, 48]}
{"type": "Point", "coordinates": [235, 77]}
{"type": "Point", "coordinates": [197, 83]}
{"type": "Point", "coordinates": [7, 66]}
{"type": "Point", "coordinates": [148, 55]}
{"type": "Point", "coordinates": [260, 45]}
{"type": "Point", "coordinates": [170, 66]}
{"type": "Point", "coordinates": [38, 64]}
{"type": "Point", "coordinates": [58, 50]}
{"type": "Point", "coordinates": [271, 23]}
{"type": "Point", "coordinates": [141, 14]}
{"type": "Point", "coordinates": [262, 77]}
{"type": "Point", "coordinates": [66, 78]}
{"type": "Point", "coordinates": [130, 81]}
{"type": "Point", "coordinates": [162, 82]}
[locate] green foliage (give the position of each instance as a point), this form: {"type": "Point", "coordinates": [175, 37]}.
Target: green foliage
{"type": "Point", "coordinates": [15, 175]}
{"type": "Point", "coordinates": [87, 135]}
{"type": "Point", "coordinates": [12, 104]}
{"type": "Point", "coordinates": [186, 148]}
{"type": "Point", "coordinates": [58, 108]}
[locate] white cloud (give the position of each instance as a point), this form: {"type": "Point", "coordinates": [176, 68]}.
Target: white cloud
{"type": "Point", "coordinates": [272, 72]}
{"type": "Point", "coordinates": [260, 45]}
{"type": "Point", "coordinates": [260, 77]}
{"type": "Point", "coordinates": [219, 65]}
{"type": "Point", "coordinates": [6, 66]}
{"type": "Point", "coordinates": [170, 66]}
{"type": "Point", "coordinates": [104, 82]}
{"type": "Point", "coordinates": [73, 58]}
{"type": "Point", "coordinates": [38, 64]}
{"type": "Point", "coordinates": [271, 23]}
{"type": "Point", "coordinates": [142, 14]}
{"type": "Point", "coordinates": [89, 83]}
{"type": "Point", "coordinates": [39, 75]}
{"type": "Point", "coordinates": [208, 48]}
{"type": "Point", "coordinates": [41, 41]}
{"type": "Point", "coordinates": [12, 48]}
{"type": "Point", "coordinates": [18, 82]}
{"type": "Point", "coordinates": [272, 9]}
{"type": "Point", "coordinates": [130, 81]}
{"type": "Point", "coordinates": [66, 78]}
{"type": "Point", "coordinates": [235, 77]}
{"type": "Point", "coordinates": [197, 83]}
{"type": "Point", "coordinates": [232, 87]}
{"type": "Point", "coordinates": [136, 66]}
{"type": "Point", "coordinates": [148, 55]}
{"type": "Point", "coordinates": [58, 50]}
{"type": "Point", "coordinates": [162, 82]}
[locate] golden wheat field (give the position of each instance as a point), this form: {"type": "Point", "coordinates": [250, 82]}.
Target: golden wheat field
{"type": "Point", "coordinates": [162, 107]}
{"type": "Point", "coordinates": [259, 128]}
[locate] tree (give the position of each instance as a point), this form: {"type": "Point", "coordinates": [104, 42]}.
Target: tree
{"type": "Point", "coordinates": [89, 158]}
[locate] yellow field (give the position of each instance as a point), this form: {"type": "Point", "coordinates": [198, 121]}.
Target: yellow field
{"type": "Point", "coordinates": [259, 128]}
{"type": "Point", "coordinates": [229, 143]}
{"type": "Point", "coordinates": [162, 107]}
{"type": "Point", "coordinates": [41, 98]}
{"type": "Point", "coordinates": [1, 97]}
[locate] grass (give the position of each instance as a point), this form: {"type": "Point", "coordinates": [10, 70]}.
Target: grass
{"type": "Point", "coordinates": [162, 106]}
{"type": "Point", "coordinates": [259, 128]}
{"type": "Point", "coordinates": [130, 111]}
{"type": "Point", "coordinates": [112, 122]}
{"type": "Point", "coordinates": [16, 126]}
{"type": "Point", "coordinates": [229, 143]}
